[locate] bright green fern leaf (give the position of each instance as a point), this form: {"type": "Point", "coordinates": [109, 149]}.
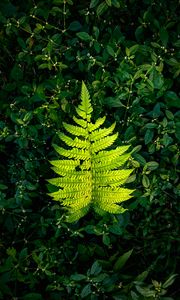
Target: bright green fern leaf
{"type": "Point", "coordinates": [88, 175]}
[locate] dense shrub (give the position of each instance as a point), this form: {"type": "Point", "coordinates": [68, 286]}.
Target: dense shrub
{"type": "Point", "coordinates": [128, 54]}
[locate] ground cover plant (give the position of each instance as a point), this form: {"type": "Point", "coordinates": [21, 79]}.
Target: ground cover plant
{"type": "Point", "coordinates": [127, 53]}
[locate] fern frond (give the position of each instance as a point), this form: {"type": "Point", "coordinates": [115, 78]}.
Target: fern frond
{"type": "Point", "coordinates": [62, 172]}
{"type": "Point", "coordinates": [111, 163]}
{"type": "Point", "coordinates": [112, 195]}
{"type": "Point", "coordinates": [84, 109]}
{"type": "Point", "coordinates": [86, 103]}
{"type": "Point", "coordinates": [78, 143]}
{"type": "Point", "coordinates": [81, 113]}
{"type": "Point", "coordinates": [75, 215]}
{"type": "Point", "coordinates": [74, 153]}
{"type": "Point", "coordinates": [74, 177]}
{"type": "Point", "coordinates": [112, 177]}
{"type": "Point", "coordinates": [82, 176]}
{"type": "Point", "coordinates": [77, 203]}
{"type": "Point", "coordinates": [71, 193]}
{"type": "Point", "coordinates": [97, 124]}
{"type": "Point", "coordinates": [75, 130]}
{"type": "Point", "coordinates": [65, 164]}
{"type": "Point", "coordinates": [80, 122]}
{"type": "Point", "coordinates": [111, 208]}
{"type": "Point", "coordinates": [90, 176]}
{"type": "Point", "coordinates": [103, 143]}
{"type": "Point", "coordinates": [103, 155]}
{"type": "Point", "coordinates": [86, 165]}
{"type": "Point", "coordinates": [72, 183]}
{"type": "Point", "coordinates": [99, 134]}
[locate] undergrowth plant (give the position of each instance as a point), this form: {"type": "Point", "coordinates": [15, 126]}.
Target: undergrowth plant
{"type": "Point", "coordinates": [90, 176]}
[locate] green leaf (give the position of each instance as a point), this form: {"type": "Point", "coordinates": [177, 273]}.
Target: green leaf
{"type": "Point", "coordinates": [33, 296]}
{"type": "Point", "coordinates": [78, 277]}
{"type": "Point", "coordinates": [136, 149]}
{"type": "Point", "coordinates": [96, 31]}
{"type": "Point", "coordinates": [139, 158]}
{"type": "Point", "coordinates": [96, 268]}
{"type": "Point", "coordinates": [146, 292]}
{"type": "Point", "coordinates": [101, 8]}
{"type": "Point", "coordinates": [122, 260]}
{"type": "Point", "coordinates": [169, 281]}
{"type": "Point", "coordinates": [23, 254]}
{"type": "Point", "coordinates": [108, 2]}
{"type": "Point", "coordinates": [116, 3]}
{"type": "Point", "coordinates": [113, 102]}
{"type": "Point", "coordinates": [94, 3]}
{"type": "Point", "coordinates": [151, 125]}
{"type": "Point", "coordinates": [139, 33]}
{"type": "Point", "coordinates": [84, 36]}
{"type": "Point", "coordinates": [157, 80]}
{"type": "Point", "coordinates": [86, 291]}
{"type": "Point", "coordinates": [106, 240]}
{"type": "Point", "coordinates": [30, 186]}
{"type": "Point", "coordinates": [145, 181]}
{"type": "Point", "coordinates": [3, 186]}
{"type": "Point", "coordinates": [152, 165]}
{"type": "Point", "coordinates": [164, 36]}
{"type": "Point", "coordinates": [127, 51]}
{"type": "Point", "coordinates": [141, 277]}
{"type": "Point", "coordinates": [172, 99]}
{"type": "Point", "coordinates": [28, 116]}
{"type": "Point", "coordinates": [97, 47]}
{"type": "Point", "coordinates": [133, 49]}
{"type": "Point", "coordinates": [177, 130]}
{"type": "Point", "coordinates": [148, 136]}
{"type": "Point", "coordinates": [11, 252]}
{"type": "Point", "coordinates": [134, 296]}
{"type": "Point", "coordinates": [110, 50]}
{"type": "Point", "coordinates": [21, 43]}
{"type": "Point", "coordinates": [173, 62]}
{"type": "Point", "coordinates": [149, 84]}
{"type": "Point", "coordinates": [116, 229]}
{"type": "Point", "coordinates": [166, 140]}
{"type": "Point", "coordinates": [75, 26]}
{"type": "Point", "coordinates": [16, 73]}
{"type": "Point", "coordinates": [45, 66]}
{"type": "Point", "coordinates": [169, 115]}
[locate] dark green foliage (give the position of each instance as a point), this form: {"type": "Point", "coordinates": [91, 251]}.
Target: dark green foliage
{"type": "Point", "coordinates": [128, 52]}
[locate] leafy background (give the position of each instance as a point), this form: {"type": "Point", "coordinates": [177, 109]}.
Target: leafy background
{"type": "Point", "coordinates": [128, 54]}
